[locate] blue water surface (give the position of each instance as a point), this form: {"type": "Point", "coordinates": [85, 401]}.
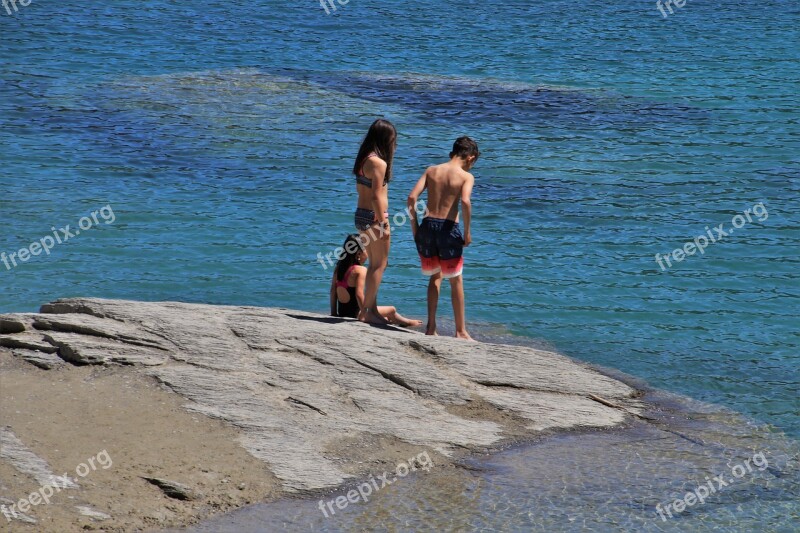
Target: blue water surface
{"type": "Point", "coordinates": [221, 135]}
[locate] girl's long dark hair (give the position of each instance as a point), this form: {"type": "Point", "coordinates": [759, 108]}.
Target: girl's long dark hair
{"type": "Point", "coordinates": [380, 139]}
{"type": "Point", "coordinates": [347, 259]}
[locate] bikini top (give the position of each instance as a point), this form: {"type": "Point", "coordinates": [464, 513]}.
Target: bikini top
{"type": "Point", "coordinates": [361, 179]}
{"type": "Point", "coordinates": [343, 284]}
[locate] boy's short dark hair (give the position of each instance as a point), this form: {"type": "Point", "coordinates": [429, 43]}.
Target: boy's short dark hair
{"type": "Point", "coordinates": [465, 147]}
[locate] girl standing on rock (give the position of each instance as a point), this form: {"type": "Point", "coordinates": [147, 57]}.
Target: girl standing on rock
{"type": "Point", "coordinates": [373, 171]}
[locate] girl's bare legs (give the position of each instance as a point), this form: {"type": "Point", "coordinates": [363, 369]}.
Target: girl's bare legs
{"type": "Point", "coordinates": [390, 313]}
{"type": "Point", "coordinates": [434, 285]}
{"type": "Point", "coordinates": [378, 254]}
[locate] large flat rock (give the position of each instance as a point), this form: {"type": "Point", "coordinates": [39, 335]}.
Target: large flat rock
{"type": "Point", "coordinates": [296, 385]}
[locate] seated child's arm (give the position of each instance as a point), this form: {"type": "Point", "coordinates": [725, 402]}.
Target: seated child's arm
{"type": "Point", "coordinates": [413, 196]}
{"type": "Point", "coordinates": [466, 207]}
{"type": "Point", "coordinates": [361, 281]}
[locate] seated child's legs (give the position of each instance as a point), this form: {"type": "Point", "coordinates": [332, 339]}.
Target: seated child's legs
{"type": "Point", "coordinates": [389, 312]}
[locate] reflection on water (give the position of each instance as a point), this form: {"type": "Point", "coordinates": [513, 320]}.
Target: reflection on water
{"type": "Point", "coordinates": [599, 481]}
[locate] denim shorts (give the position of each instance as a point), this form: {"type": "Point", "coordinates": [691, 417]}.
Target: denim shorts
{"type": "Point", "coordinates": [364, 219]}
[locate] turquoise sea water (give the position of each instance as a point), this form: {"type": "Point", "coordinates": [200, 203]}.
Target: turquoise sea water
{"type": "Point", "coordinates": [221, 135]}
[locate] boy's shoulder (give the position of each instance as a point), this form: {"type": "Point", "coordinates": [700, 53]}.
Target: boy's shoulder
{"type": "Point", "coordinates": [466, 177]}
{"type": "Point", "coordinates": [433, 171]}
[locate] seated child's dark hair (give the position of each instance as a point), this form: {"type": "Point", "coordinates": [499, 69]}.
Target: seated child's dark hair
{"type": "Point", "coordinates": [465, 147]}
{"type": "Point", "coordinates": [347, 259]}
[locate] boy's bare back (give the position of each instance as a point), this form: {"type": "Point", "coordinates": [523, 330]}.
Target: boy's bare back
{"type": "Point", "coordinates": [445, 184]}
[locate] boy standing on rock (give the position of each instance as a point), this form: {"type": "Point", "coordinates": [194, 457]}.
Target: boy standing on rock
{"type": "Point", "coordinates": [439, 240]}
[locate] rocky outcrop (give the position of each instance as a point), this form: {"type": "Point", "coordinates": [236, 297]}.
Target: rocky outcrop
{"type": "Point", "coordinates": [296, 385]}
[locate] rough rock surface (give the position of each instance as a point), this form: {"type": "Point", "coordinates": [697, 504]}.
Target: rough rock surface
{"type": "Point", "coordinates": [46, 360]}
{"type": "Point", "coordinates": [298, 384]}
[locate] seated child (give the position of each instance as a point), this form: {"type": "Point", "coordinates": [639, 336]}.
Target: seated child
{"type": "Point", "coordinates": [347, 286]}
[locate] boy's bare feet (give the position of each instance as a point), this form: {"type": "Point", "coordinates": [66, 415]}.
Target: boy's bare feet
{"type": "Point", "coordinates": [431, 330]}
{"type": "Point", "coordinates": [464, 335]}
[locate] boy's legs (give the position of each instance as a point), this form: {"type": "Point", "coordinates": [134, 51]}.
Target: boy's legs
{"type": "Point", "coordinates": [426, 241]}
{"type": "Point", "coordinates": [451, 246]}
{"type": "Point", "coordinates": [434, 286]}
{"type": "Point", "coordinates": [457, 295]}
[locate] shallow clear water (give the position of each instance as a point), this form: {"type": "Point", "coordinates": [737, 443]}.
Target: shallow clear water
{"type": "Point", "coordinates": [221, 134]}
{"type": "Point", "coordinates": [746, 478]}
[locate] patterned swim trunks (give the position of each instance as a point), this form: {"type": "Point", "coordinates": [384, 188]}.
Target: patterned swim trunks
{"type": "Point", "coordinates": [440, 245]}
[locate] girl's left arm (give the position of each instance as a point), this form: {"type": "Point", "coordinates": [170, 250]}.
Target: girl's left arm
{"type": "Point", "coordinates": [333, 295]}
{"type": "Point", "coordinates": [361, 281]}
